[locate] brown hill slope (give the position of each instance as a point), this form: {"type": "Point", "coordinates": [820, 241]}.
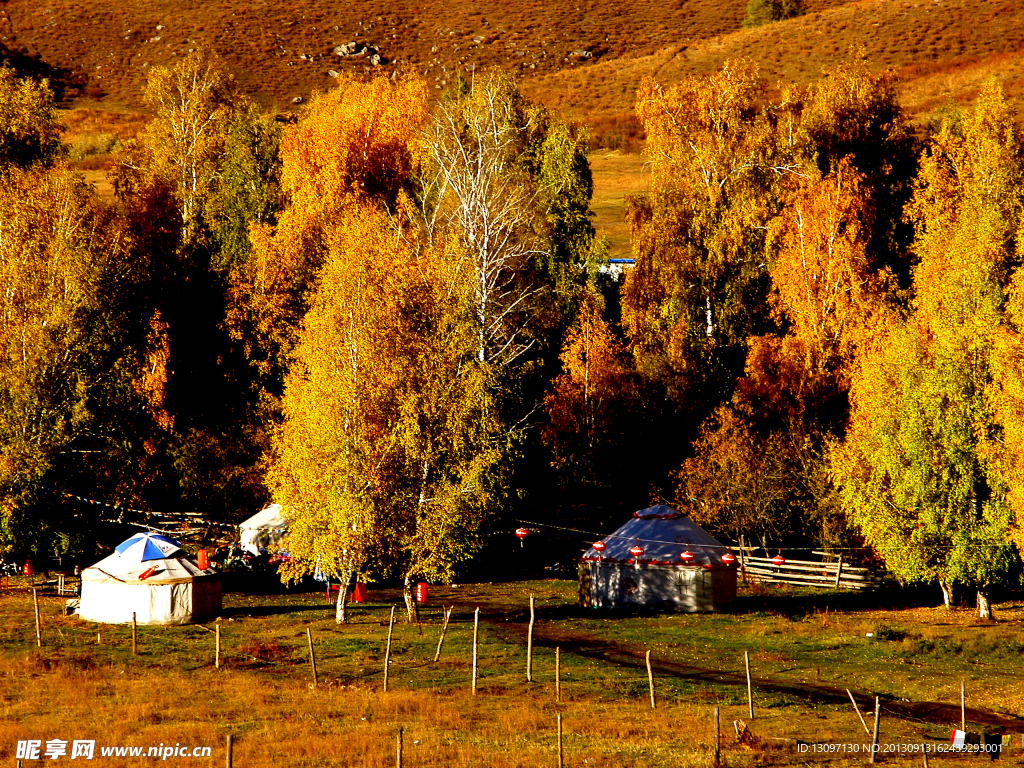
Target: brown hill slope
{"type": "Point", "coordinates": [942, 49]}
{"type": "Point", "coordinates": [103, 48]}
{"type": "Point", "coordinates": [283, 50]}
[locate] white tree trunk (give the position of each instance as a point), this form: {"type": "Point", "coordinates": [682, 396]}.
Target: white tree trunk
{"type": "Point", "coordinates": [984, 606]}
{"type": "Point", "coordinates": [412, 610]}
{"type": "Point", "coordinates": [947, 594]}
{"type": "Point", "coordinates": [341, 608]}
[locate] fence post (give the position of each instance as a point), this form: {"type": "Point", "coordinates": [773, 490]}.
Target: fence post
{"type": "Point", "coordinates": [444, 628]}
{"type": "Point", "coordinates": [750, 690]}
{"type": "Point", "coordinates": [399, 756]}
{"type": "Point", "coordinates": [650, 678]}
{"type": "Point", "coordinates": [857, 710]}
{"type": "Point", "coordinates": [135, 636]}
{"type": "Point", "coordinates": [387, 650]}
{"type": "Point", "coordinates": [230, 749]}
{"type": "Point", "coordinates": [561, 759]}
{"type": "Point", "coordinates": [718, 738]}
{"type": "Point", "coordinates": [529, 645]}
{"type": "Point", "coordinates": [39, 630]}
{"type": "Point", "coordinates": [216, 659]}
{"type": "Point", "coordinates": [743, 561]}
{"type": "Point", "coordinates": [312, 656]}
{"type": "Point", "coordinates": [558, 673]}
{"type": "Point", "coordinates": [963, 707]}
{"type": "Point", "coordinates": [874, 738]}
{"type": "Point", "coordinates": [839, 572]}
{"type": "Point", "coordinates": [476, 629]}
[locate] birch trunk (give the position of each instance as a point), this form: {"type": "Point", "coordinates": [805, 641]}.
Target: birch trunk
{"type": "Point", "coordinates": [947, 593]}
{"type": "Point", "coordinates": [984, 606]}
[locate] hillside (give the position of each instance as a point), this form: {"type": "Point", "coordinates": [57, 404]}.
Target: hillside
{"type": "Point", "coordinates": [584, 59]}
{"type": "Point", "coordinates": [941, 49]}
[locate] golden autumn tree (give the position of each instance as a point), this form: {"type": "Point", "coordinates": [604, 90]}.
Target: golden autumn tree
{"type": "Point", "coordinates": [356, 140]}
{"type": "Point", "coordinates": [852, 115]}
{"type": "Point", "coordinates": [698, 287]}
{"type": "Point", "coordinates": [29, 130]}
{"type": "Point", "coordinates": [66, 360]}
{"type": "Point", "coordinates": [919, 471]}
{"type": "Point", "coordinates": [383, 462]}
{"type": "Point", "coordinates": [834, 254]}
{"type": "Point", "coordinates": [336, 444]}
{"type": "Point", "coordinates": [452, 436]}
{"type": "Point", "coordinates": [511, 185]}
{"type": "Point", "coordinates": [589, 401]}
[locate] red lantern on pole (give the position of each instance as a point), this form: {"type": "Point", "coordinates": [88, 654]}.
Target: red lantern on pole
{"type": "Point", "coordinates": [778, 560]}
{"type": "Point", "coordinates": [636, 551]}
{"type": "Point", "coordinates": [600, 546]}
{"type": "Point", "coordinates": [686, 557]}
{"type": "Point", "coordinates": [522, 533]}
{"type": "Point", "coordinates": [728, 558]}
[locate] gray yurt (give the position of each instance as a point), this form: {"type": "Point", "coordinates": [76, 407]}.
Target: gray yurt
{"type": "Point", "coordinates": [680, 567]}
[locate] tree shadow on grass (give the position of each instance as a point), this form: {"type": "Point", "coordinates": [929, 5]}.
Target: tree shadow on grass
{"type": "Point", "coordinates": [254, 611]}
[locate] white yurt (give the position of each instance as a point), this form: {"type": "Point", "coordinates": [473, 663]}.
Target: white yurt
{"type": "Point", "coordinates": [264, 529]}
{"type": "Point", "coordinates": [151, 576]}
{"type": "Point", "coordinates": [660, 560]}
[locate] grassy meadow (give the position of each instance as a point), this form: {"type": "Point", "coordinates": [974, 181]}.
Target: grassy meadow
{"type": "Point", "coordinates": [805, 650]}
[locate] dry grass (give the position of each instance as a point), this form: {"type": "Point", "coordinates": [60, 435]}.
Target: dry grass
{"type": "Point", "coordinates": [170, 693]}
{"type": "Point", "coordinates": [616, 177]}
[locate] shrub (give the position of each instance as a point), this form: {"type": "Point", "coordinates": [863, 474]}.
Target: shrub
{"type": "Point", "coordinates": [764, 11]}
{"type": "Point", "coordinates": [91, 144]}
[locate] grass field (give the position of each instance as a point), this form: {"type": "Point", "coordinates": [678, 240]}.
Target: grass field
{"type": "Point", "coordinates": [617, 176]}
{"type": "Point", "coordinates": [805, 651]}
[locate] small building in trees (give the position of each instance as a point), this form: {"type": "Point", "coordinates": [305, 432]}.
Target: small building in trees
{"type": "Point", "coordinates": [659, 560]}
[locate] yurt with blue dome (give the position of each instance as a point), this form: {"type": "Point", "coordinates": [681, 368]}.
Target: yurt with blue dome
{"type": "Point", "coordinates": [151, 576]}
{"type": "Point", "coordinates": [659, 560]}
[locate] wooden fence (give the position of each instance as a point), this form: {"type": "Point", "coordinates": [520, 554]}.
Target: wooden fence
{"type": "Point", "coordinates": [809, 573]}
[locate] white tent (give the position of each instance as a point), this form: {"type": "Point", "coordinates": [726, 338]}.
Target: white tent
{"type": "Point", "coordinates": [659, 578]}
{"type": "Point", "coordinates": [177, 591]}
{"type": "Point", "coordinates": [264, 529]}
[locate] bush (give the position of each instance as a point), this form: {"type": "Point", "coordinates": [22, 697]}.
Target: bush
{"type": "Point", "coordinates": [764, 11]}
{"type": "Point", "coordinates": [885, 632]}
{"type": "Point", "coordinates": [91, 144]}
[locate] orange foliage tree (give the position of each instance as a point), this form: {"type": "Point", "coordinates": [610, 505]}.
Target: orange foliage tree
{"type": "Point", "coordinates": [354, 141]}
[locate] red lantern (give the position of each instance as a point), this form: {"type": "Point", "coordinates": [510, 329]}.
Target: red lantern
{"type": "Point", "coordinates": [636, 551]}
{"type": "Point", "coordinates": [778, 560]}
{"type": "Point", "coordinates": [686, 557]}
{"type": "Point", "coordinates": [522, 533]}
{"type": "Point", "coordinates": [728, 558]}
{"type": "Point", "coordinates": [600, 546]}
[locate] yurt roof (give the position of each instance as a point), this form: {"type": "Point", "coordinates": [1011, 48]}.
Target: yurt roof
{"type": "Point", "coordinates": [170, 570]}
{"type": "Point", "coordinates": [663, 533]}
{"type": "Point", "coordinates": [266, 518]}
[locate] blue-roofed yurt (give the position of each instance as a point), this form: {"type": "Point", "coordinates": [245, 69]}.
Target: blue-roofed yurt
{"type": "Point", "coordinates": [659, 560]}
{"type": "Point", "coordinates": [150, 576]}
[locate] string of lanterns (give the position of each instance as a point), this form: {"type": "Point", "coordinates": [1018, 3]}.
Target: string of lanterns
{"type": "Point", "coordinates": [687, 557]}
